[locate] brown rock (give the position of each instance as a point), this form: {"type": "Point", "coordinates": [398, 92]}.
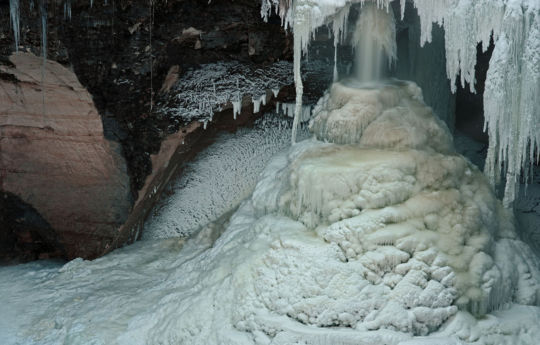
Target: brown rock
{"type": "Point", "coordinates": [53, 156]}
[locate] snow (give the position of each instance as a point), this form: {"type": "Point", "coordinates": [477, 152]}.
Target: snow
{"type": "Point", "coordinates": [512, 111]}
{"type": "Point", "coordinates": [373, 241]}
{"type": "Point", "coordinates": [201, 92]}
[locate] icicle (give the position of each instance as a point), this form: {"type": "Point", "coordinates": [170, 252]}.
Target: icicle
{"type": "Point", "coordinates": [15, 14]}
{"type": "Point", "coordinates": [297, 81]}
{"type": "Point", "coordinates": [237, 107]}
{"type": "Point", "coordinates": [44, 31]}
{"type": "Point", "coordinates": [339, 27]}
{"type": "Point", "coordinates": [275, 92]}
{"type": "Point", "coordinates": [256, 105]}
{"type": "Point", "coordinates": [67, 10]}
{"type": "Point", "coordinates": [336, 77]}
{"type": "Point", "coordinates": [151, 7]}
{"type": "Point", "coordinates": [43, 9]}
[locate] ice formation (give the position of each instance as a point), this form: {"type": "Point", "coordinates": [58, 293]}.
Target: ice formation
{"type": "Point", "coordinates": [201, 92]}
{"type": "Point", "coordinates": [221, 177]}
{"type": "Point", "coordinates": [512, 111]}
{"type": "Point", "coordinates": [15, 13]}
{"type": "Point", "coordinates": [288, 109]}
{"type": "Point", "coordinates": [375, 236]}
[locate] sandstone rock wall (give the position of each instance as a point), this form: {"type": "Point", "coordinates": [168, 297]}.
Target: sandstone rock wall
{"type": "Point", "coordinates": [53, 155]}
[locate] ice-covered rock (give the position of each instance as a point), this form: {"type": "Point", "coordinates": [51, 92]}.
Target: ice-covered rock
{"type": "Point", "coordinates": [201, 92]}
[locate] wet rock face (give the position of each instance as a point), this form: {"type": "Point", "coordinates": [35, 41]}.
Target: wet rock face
{"type": "Point", "coordinates": [57, 164]}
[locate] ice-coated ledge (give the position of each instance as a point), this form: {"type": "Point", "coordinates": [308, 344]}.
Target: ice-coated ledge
{"type": "Point", "coordinates": [199, 93]}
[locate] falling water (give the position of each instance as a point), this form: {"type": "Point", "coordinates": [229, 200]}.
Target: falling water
{"type": "Point", "coordinates": [374, 41]}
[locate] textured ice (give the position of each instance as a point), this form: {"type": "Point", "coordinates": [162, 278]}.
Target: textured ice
{"type": "Point", "coordinates": [372, 241]}
{"type": "Point", "coordinates": [512, 110]}
{"type": "Point", "coordinates": [201, 92]}
{"type": "Point", "coordinates": [221, 177]}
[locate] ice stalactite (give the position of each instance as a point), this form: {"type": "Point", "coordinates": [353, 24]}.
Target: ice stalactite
{"type": "Point", "coordinates": [43, 15]}
{"type": "Point", "coordinates": [151, 25]}
{"type": "Point", "coordinates": [67, 10]}
{"type": "Point", "coordinates": [202, 92]}
{"type": "Point", "coordinates": [15, 14]}
{"type": "Point", "coordinates": [257, 103]}
{"type": "Point", "coordinates": [512, 86]}
{"type": "Point", "coordinates": [512, 111]}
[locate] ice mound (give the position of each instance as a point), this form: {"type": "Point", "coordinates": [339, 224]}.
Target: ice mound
{"type": "Point", "coordinates": [386, 115]}
{"type": "Point", "coordinates": [400, 231]}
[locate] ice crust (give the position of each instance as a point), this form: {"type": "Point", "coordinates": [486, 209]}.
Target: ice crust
{"type": "Point", "coordinates": [371, 241]}
{"type": "Point", "coordinates": [201, 92]}
{"type": "Point", "coordinates": [512, 111]}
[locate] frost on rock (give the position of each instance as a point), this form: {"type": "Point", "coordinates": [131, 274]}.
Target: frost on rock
{"type": "Point", "coordinates": [512, 110]}
{"type": "Point", "coordinates": [199, 93]}
{"type": "Point", "coordinates": [221, 177]}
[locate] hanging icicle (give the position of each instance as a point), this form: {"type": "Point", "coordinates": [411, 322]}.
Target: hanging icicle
{"type": "Point", "coordinates": [15, 14]}
{"type": "Point", "coordinates": [43, 10]}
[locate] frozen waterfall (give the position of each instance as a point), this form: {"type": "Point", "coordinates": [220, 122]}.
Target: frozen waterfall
{"type": "Point", "coordinates": [512, 110]}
